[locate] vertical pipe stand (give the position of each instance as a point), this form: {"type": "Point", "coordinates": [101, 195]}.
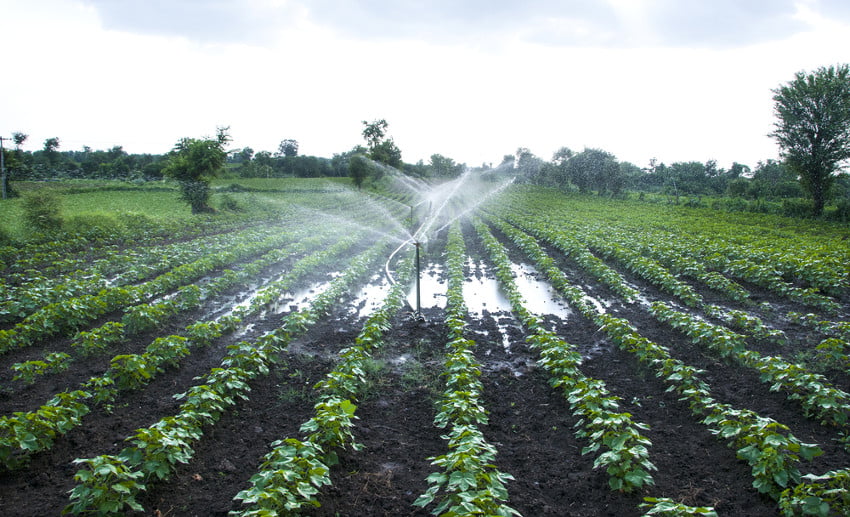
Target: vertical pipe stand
{"type": "Point", "coordinates": [418, 291]}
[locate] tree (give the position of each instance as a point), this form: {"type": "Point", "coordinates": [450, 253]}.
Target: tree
{"type": "Point", "coordinates": [374, 132]}
{"type": "Point", "coordinates": [773, 179]}
{"type": "Point", "coordinates": [13, 161]}
{"type": "Point", "coordinates": [688, 178]}
{"type": "Point", "coordinates": [193, 162]}
{"type": "Point", "coordinates": [288, 148]}
{"type": "Point", "coordinates": [595, 168]}
{"type": "Point", "coordinates": [381, 149]}
{"type": "Point", "coordinates": [528, 165]}
{"type": "Point", "coordinates": [19, 139]}
{"type": "Point", "coordinates": [51, 150]}
{"type": "Point", "coordinates": [813, 127]}
{"type": "Point", "coordinates": [444, 167]}
{"type": "Point", "coordinates": [358, 168]}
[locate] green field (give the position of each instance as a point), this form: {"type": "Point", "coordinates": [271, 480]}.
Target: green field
{"type": "Point", "coordinates": [258, 359]}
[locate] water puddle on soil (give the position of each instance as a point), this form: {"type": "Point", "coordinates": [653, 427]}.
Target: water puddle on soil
{"type": "Point", "coordinates": [229, 304]}
{"type": "Point", "coordinates": [371, 296]}
{"type": "Point", "coordinates": [481, 291]}
{"type": "Point", "coordinates": [432, 288]}
{"type": "Point", "coordinates": [299, 299]}
{"type": "Point", "coordinates": [539, 295]}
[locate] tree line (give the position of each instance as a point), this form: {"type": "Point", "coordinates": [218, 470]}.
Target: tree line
{"type": "Point", "coordinates": [812, 130]}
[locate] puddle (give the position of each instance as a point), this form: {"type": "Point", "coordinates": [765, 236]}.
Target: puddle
{"type": "Point", "coordinates": [540, 297]}
{"type": "Point", "coordinates": [481, 291]}
{"type": "Point", "coordinates": [230, 304]}
{"type": "Point", "coordinates": [432, 288]}
{"type": "Point", "coordinates": [244, 331]}
{"type": "Point", "coordinates": [299, 299]}
{"type": "Point", "coordinates": [371, 296]}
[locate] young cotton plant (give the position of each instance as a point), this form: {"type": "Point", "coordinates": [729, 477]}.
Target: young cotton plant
{"type": "Point", "coordinates": [820, 495]}
{"type": "Point", "coordinates": [813, 391]}
{"type": "Point", "coordinates": [470, 484]}
{"type": "Point", "coordinates": [157, 450]}
{"type": "Point", "coordinates": [626, 450]}
{"type": "Point", "coordinates": [766, 445]}
{"type": "Point", "coordinates": [294, 471]}
{"type": "Point", "coordinates": [666, 507]}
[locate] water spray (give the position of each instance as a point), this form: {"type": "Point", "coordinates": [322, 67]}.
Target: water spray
{"type": "Point", "coordinates": [437, 200]}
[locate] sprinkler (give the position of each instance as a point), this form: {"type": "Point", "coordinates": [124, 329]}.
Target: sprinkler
{"type": "Point", "coordinates": [417, 310]}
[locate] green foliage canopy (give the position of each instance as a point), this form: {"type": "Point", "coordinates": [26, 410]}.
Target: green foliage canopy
{"type": "Point", "coordinates": [813, 127]}
{"type": "Point", "coordinates": [192, 163]}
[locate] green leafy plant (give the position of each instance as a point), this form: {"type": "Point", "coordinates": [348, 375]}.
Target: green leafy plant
{"type": "Point", "coordinates": [107, 486]}
{"type": "Point", "coordinates": [666, 507]}
{"type": "Point", "coordinates": [53, 362]}
{"type": "Point", "coordinates": [820, 495]}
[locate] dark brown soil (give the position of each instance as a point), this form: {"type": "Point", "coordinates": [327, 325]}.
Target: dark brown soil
{"type": "Point", "coordinates": [530, 423]}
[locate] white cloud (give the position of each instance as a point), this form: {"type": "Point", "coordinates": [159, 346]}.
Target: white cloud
{"type": "Point", "coordinates": [469, 80]}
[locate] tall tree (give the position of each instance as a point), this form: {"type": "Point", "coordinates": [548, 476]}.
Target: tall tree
{"type": "Point", "coordinates": [595, 168]}
{"type": "Point", "coordinates": [374, 132]}
{"type": "Point", "coordinates": [444, 167]}
{"type": "Point", "coordinates": [193, 162]}
{"type": "Point", "coordinates": [19, 138]}
{"type": "Point", "coordinates": [51, 150]}
{"type": "Point", "coordinates": [381, 149]}
{"type": "Point", "coordinates": [813, 127]}
{"type": "Point", "coordinates": [528, 165]}
{"type": "Point", "coordinates": [358, 168]}
{"type": "Point", "coordinates": [288, 148]}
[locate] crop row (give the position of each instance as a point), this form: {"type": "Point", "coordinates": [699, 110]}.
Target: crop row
{"type": "Point", "coordinates": [121, 268]}
{"type": "Point", "coordinates": [109, 483]}
{"type": "Point", "coordinates": [626, 450]}
{"type": "Point", "coordinates": [733, 250]}
{"type": "Point", "coordinates": [68, 251]}
{"type": "Point", "coordinates": [714, 257]}
{"type": "Point", "coordinates": [766, 445]}
{"type": "Point", "coordinates": [25, 433]}
{"type": "Point", "coordinates": [834, 350]}
{"type": "Point", "coordinates": [469, 483]}
{"type": "Point", "coordinates": [818, 398]}
{"type": "Point", "coordinates": [293, 471]}
{"type": "Point", "coordinates": [655, 274]}
{"type": "Point", "coordinates": [59, 255]}
{"type": "Point", "coordinates": [74, 313]}
{"type": "Point", "coordinates": [145, 317]}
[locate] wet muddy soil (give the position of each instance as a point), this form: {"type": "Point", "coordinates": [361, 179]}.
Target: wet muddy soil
{"type": "Point", "coordinates": [530, 423]}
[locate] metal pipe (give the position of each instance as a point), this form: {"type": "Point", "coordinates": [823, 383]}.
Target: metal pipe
{"type": "Point", "coordinates": [418, 275]}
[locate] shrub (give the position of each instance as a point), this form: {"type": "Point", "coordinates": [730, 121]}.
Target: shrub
{"type": "Point", "coordinates": [92, 225]}
{"type": "Point", "coordinates": [841, 212]}
{"type": "Point", "coordinates": [229, 204]}
{"type": "Point", "coordinates": [42, 210]}
{"type": "Point", "coordinates": [137, 223]}
{"type": "Point", "coordinates": [802, 208]}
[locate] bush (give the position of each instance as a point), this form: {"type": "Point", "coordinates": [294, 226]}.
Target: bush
{"type": "Point", "coordinates": [841, 212]}
{"type": "Point", "coordinates": [92, 225]}
{"type": "Point", "coordinates": [802, 208]}
{"type": "Point", "coordinates": [229, 204]}
{"type": "Point", "coordinates": [137, 223]}
{"type": "Point", "coordinates": [42, 211]}
{"type": "Point", "coordinates": [196, 193]}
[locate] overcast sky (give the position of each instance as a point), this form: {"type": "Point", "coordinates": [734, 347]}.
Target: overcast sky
{"type": "Point", "coordinates": [678, 80]}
